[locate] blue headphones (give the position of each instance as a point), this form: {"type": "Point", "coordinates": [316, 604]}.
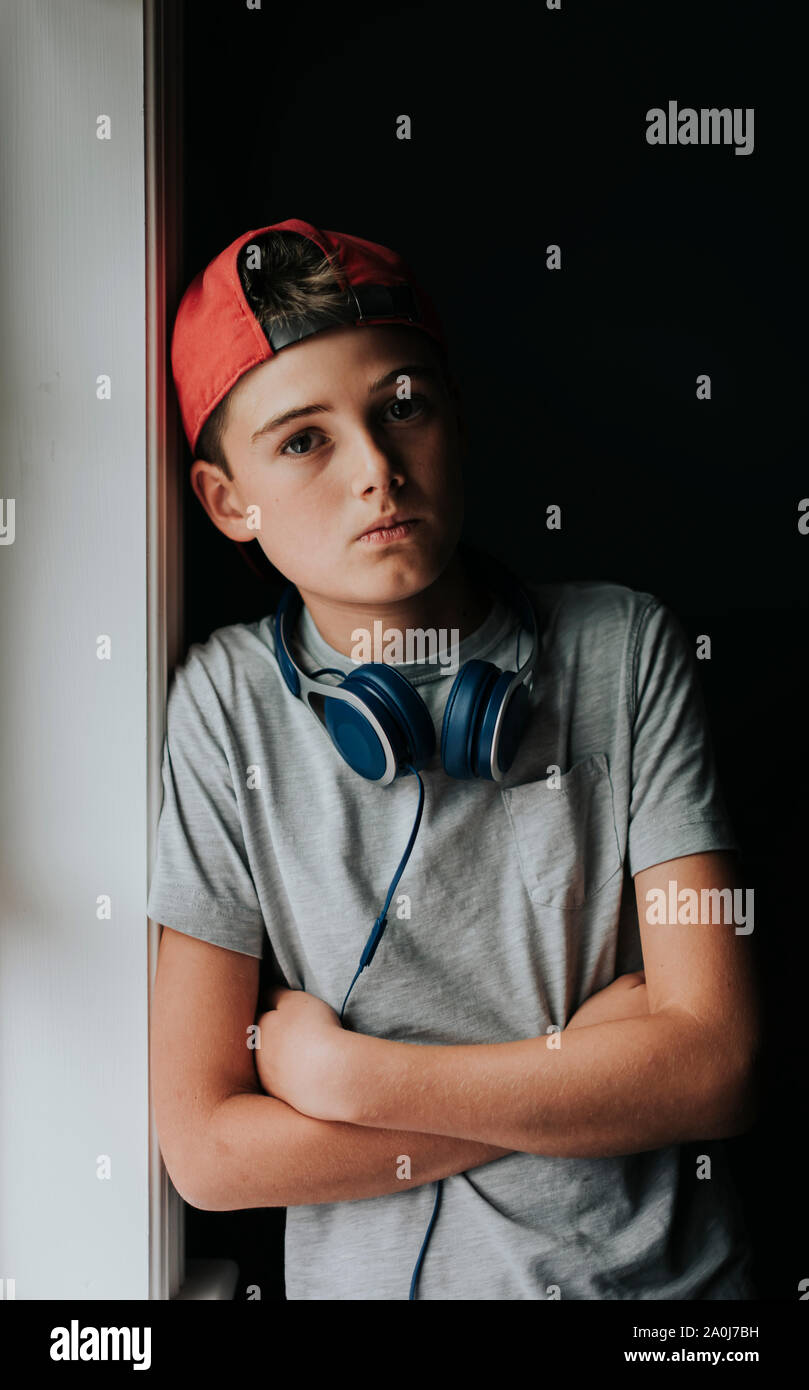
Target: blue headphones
{"type": "Point", "coordinates": [379, 723]}
{"type": "Point", "coordinates": [381, 726]}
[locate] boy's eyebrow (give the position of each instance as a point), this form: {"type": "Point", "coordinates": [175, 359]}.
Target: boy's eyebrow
{"type": "Point", "coordinates": [413, 369]}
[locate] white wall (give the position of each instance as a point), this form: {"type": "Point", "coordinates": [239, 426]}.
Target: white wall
{"type": "Point", "coordinates": [73, 806]}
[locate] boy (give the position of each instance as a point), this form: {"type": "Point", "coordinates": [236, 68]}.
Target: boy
{"type": "Point", "coordinates": [567, 1044]}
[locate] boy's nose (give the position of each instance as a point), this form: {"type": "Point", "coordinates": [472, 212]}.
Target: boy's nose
{"type": "Point", "coordinates": [374, 466]}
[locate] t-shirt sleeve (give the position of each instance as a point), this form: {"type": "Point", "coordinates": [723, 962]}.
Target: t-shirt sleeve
{"type": "Point", "coordinates": [677, 806]}
{"type": "Point", "coordinates": [201, 882]}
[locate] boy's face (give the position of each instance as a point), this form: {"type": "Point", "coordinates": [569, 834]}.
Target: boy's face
{"type": "Point", "coordinates": [355, 454]}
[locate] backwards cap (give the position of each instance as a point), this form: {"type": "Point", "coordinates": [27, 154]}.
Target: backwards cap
{"type": "Point", "coordinates": [217, 337]}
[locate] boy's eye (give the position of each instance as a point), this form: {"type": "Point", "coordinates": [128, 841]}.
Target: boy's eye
{"type": "Point", "coordinates": [414, 400]}
{"type": "Point", "coordinates": [421, 403]}
{"type": "Point", "coordinates": [296, 439]}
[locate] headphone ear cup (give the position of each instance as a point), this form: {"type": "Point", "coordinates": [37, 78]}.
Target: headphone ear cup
{"type": "Point", "coordinates": [400, 710]}
{"type": "Point", "coordinates": [515, 719]}
{"type": "Point", "coordinates": [463, 752]}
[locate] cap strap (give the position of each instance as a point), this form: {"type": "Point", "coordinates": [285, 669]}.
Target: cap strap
{"type": "Point", "coordinates": [360, 302]}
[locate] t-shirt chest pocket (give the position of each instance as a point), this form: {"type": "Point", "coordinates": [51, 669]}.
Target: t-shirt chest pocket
{"type": "Point", "coordinates": [564, 831]}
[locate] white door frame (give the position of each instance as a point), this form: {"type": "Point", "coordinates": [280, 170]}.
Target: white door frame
{"type": "Point", "coordinates": [163, 70]}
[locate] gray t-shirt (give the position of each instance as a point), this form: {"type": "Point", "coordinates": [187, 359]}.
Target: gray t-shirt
{"type": "Point", "coordinates": [516, 904]}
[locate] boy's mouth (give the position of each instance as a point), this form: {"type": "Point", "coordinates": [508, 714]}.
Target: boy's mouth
{"type": "Point", "coordinates": [392, 529]}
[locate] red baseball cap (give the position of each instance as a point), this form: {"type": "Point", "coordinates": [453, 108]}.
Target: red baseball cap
{"type": "Point", "coordinates": [217, 337]}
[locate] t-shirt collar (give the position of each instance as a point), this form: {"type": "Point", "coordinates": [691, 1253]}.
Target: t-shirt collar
{"type": "Point", "coordinates": [478, 644]}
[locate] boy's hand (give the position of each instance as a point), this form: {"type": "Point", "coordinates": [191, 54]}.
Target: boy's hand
{"type": "Point", "coordinates": [299, 1057]}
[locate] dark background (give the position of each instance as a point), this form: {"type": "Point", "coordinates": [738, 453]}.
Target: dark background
{"type": "Point", "coordinates": [528, 127]}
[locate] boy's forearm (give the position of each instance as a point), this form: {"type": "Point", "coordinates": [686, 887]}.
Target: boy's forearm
{"type": "Point", "coordinates": [621, 1086]}
{"type": "Point", "coordinates": [259, 1152]}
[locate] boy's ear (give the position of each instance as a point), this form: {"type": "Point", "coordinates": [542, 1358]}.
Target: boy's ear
{"type": "Point", "coordinates": [219, 498]}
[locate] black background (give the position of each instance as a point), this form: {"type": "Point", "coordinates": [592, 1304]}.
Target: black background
{"type": "Point", "coordinates": [528, 128]}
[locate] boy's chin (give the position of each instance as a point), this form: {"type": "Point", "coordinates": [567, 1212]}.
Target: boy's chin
{"type": "Point", "coordinates": [392, 583]}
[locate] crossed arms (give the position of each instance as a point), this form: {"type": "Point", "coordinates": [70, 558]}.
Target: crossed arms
{"type": "Point", "coordinates": [651, 1059]}
{"type": "Point", "coordinates": [664, 1058]}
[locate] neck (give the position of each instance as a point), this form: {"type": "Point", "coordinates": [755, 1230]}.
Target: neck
{"type": "Point", "coordinates": [456, 599]}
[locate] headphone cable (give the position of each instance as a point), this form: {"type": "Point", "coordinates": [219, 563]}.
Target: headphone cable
{"type": "Point", "coordinates": [367, 956]}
